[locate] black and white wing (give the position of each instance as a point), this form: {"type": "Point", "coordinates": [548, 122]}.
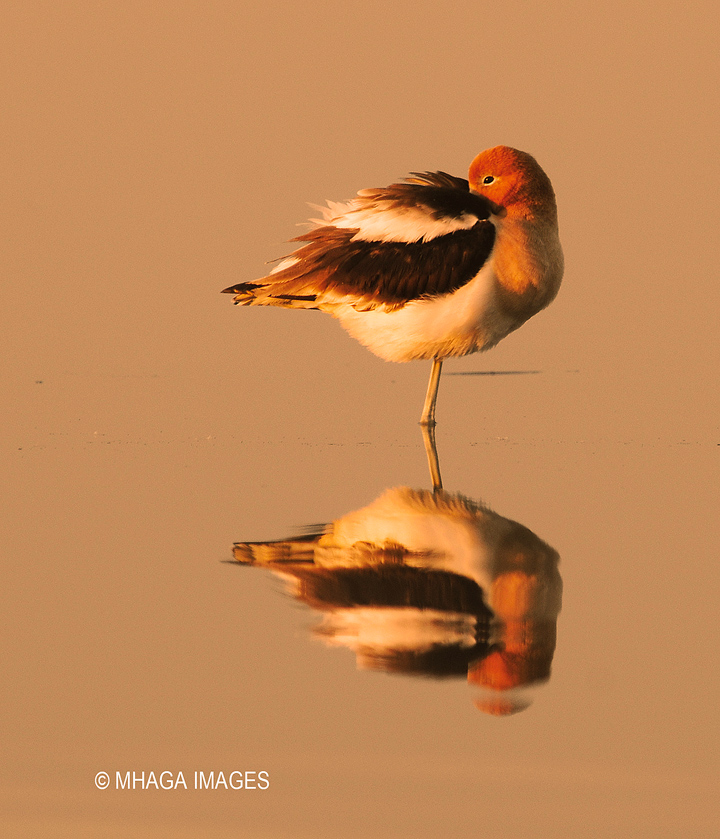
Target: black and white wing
{"type": "Point", "coordinates": [423, 238]}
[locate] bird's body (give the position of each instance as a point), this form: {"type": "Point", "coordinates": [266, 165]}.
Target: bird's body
{"type": "Point", "coordinates": [431, 268]}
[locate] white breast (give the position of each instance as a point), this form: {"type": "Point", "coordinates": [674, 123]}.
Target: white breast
{"type": "Point", "coordinates": [454, 324]}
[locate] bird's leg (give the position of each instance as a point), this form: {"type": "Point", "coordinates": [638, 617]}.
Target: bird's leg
{"type": "Point", "coordinates": [428, 432]}
{"type": "Point", "coordinates": [428, 414]}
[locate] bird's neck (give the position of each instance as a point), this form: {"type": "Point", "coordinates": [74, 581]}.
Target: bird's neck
{"type": "Point", "coordinates": [529, 260]}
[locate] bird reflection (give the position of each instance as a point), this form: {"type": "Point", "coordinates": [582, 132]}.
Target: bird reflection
{"type": "Point", "coordinates": [431, 584]}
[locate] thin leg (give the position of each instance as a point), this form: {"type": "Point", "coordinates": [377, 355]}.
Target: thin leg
{"type": "Point", "coordinates": [428, 414]}
{"type": "Point", "coordinates": [428, 432]}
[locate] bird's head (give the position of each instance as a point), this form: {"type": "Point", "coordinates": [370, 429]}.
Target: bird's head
{"type": "Point", "coordinates": [514, 180]}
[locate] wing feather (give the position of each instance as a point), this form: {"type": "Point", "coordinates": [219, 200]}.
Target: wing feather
{"type": "Point", "coordinates": [423, 238]}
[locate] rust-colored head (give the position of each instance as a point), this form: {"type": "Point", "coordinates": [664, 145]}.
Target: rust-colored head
{"type": "Point", "coordinates": [514, 180]}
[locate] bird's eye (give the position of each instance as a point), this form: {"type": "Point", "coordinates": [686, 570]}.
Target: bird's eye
{"type": "Point", "coordinates": [488, 179]}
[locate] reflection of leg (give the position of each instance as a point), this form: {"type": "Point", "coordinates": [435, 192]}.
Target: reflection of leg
{"type": "Point", "coordinates": [428, 414]}
{"type": "Point", "coordinates": [432, 456]}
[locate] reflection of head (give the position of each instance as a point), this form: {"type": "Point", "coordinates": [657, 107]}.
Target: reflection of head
{"type": "Point", "coordinates": [525, 596]}
{"type": "Point", "coordinates": [517, 666]}
{"type": "Point", "coordinates": [399, 619]}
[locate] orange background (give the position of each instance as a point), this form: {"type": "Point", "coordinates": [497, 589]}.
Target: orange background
{"type": "Point", "coordinates": [154, 154]}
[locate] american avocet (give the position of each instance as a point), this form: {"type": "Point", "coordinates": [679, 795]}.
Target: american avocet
{"type": "Point", "coordinates": [434, 267]}
{"type": "Point", "coordinates": [429, 582]}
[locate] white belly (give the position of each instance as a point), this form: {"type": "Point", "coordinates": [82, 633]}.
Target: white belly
{"type": "Point", "coordinates": [455, 324]}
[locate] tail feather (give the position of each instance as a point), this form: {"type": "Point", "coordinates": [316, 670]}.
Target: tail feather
{"type": "Point", "coordinates": [245, 292]}
{"type": "Point", "coordinates": [248, 294]}
{"type": "Point", "coordinates": [283, 551]}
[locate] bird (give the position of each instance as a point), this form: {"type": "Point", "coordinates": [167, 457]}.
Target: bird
{"type": "Point", "coordinates": [431, 583]}
{"type": "Point", "coordinates": [435, 266]}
